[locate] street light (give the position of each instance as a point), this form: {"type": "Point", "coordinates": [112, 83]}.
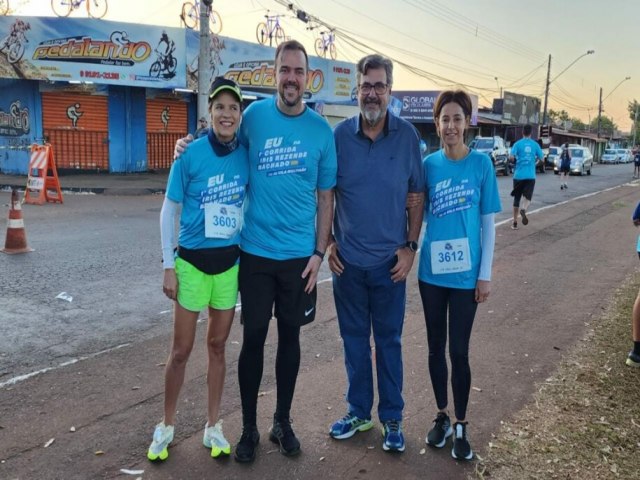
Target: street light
{"type": "Point", "coordinates": [498, 84]}
{"type": "Point", "coordinates": [549, 82]}
{"type": "Point", "coordinates": [603, 99]}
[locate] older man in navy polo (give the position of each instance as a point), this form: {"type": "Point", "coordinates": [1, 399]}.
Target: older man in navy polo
{"type": "Point", "coordinates": [376, 237]}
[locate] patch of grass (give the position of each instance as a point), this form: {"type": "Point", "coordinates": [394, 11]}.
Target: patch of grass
{"type": "Point", "coordinates": [585, 419]}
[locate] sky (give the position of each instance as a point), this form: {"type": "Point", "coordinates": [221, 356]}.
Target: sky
{"type": "Point", "coordinates": [481, 45]}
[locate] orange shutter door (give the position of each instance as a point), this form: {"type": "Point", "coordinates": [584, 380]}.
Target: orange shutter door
{"type": "Point", "coordinates": [76, 125]}
{"type": "Point", "coordinates": [166, 122]}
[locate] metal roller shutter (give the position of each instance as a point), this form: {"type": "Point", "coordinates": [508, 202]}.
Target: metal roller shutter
{"type": "Point", "coordinates": [166, 123]}
{"type": "Point", "coordinates": [76, 125]}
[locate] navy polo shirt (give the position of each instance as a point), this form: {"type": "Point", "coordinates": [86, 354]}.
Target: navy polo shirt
{"type": "Point", "coordinates": [374, 177]}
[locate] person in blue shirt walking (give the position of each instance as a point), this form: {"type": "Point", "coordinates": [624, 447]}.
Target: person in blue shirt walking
{"type": "Point", "coordinates": [524, 152]}
{"type": "Point", "coordinates": [455, 261]}
{"type": "Point", "coordinates": [209, 180]}
{"type": "Point", "coordinates": [379, 164]}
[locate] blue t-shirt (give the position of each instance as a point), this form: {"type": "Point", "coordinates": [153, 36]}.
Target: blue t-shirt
{"type": "Point", "coordinates": [458, 192]}
{"type": "Point", "coordinates": [526, 150]}
{"type": "Point", "coordinates": [374, 178]}
{"type": "Point", "coordinates": [199, 177]}
{"type": "Point", "coordinates": [290, 158]}
{"type": "Point", "coordinates": [634, 217]}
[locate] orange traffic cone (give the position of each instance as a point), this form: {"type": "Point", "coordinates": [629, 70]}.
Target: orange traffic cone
{"type": "Point", "coordinates": [16, 241]}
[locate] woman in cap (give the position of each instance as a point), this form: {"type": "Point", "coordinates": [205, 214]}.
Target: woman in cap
{"type": "Point", "coordinates": [209, 180]}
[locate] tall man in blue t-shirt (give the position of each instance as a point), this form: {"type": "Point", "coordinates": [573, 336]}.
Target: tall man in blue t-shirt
{"type": "Point", "coordinates": [379, 163]}
{"type": "Point", "coordinates": [287, 223]}
{"type": "Point", "coordinates": [524, 151]}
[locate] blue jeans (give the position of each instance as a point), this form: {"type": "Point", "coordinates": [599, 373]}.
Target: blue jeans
{"type": "Point", "coordinates": [366, 300]}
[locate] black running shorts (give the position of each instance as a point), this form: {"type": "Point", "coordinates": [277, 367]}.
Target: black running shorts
{"type": "Point", "coordinates": [265, 283]}
{"type": "Point", "coordinates": [522, 188]}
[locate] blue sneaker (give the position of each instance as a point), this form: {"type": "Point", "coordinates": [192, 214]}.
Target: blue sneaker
{"type": "Point", "coordinates": [162, 437]}
{"type": "Point", "coordinates": [393, 436]}
{"type": "Point", "coordinates": [348, 425]}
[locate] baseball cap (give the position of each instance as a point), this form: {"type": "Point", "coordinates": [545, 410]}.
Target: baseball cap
{"type": "Point", "coordinates": [221, 84]}
{"type": "Point", "coordinates": [203, 119]}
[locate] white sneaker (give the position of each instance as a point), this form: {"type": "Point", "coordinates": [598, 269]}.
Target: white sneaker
{"type": "Point", "coordinates": [213, 438]}
{"type": "Point", "coordinates": [162, 437]}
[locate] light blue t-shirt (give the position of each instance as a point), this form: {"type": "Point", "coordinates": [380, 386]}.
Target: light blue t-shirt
{"type": "Point", "coordinates": [199, 177]}
{"type": "Point", "coordinates": [458, 192]}
{"type": "Point", "coordinates": [290, 158]}
{"type": "Point", "coordinates": [526, 150]}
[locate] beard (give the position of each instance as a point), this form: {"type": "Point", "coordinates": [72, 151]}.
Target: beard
{"type": "Point", "coordinates": [289, 103]}
{"type": "Point", "coordinates": [372, 117]}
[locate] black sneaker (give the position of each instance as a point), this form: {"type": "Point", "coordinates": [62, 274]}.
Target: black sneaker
{"type": "Point", "coordinates": [282, 434]}
{"type": "Point", "coordinates": [461, 449]}
{"type": "Point", "coordinates": [633, 360]}
{"type": "Point", "coordinates": [441, 430]}
{"type": "Point", "coordinates": [245, 451]}
{"type": "Point", "coordinates": [514, 226]}
{"type": "Point", "coordinates": [523, 214]}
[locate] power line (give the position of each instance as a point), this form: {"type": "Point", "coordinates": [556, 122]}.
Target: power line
{"type": "Point", "coordinates": [487, 73]}
{"type": "Point", "coordinates": [468, 25]}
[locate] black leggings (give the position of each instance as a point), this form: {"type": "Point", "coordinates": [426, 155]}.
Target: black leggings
{"type": "Point", "coordinates": [250, 366]}
{"type": "Point", "coordinates": [461, 307]}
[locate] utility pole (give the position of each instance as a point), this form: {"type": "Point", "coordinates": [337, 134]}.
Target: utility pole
{"type": "Point", "coordinates": [203, 59]}
{"type": "Point", "coordinates": [599, 111]}
{"type": "Point", "coordinates": [635, 126]}
{"type": "Point", "coordinates": [546, 93]}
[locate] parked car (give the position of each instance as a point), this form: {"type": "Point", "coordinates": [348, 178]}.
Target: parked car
{"type": "Point", "coordinates": [625, 155]}
{"type": "Point", "coordinates": [550, 159]}
{"type": "Point", "coordinates": [581, 161]}
{"type": "Point", "coordinates": [610, 155]}
{"type": "Point", "coordinates": [496, 149]}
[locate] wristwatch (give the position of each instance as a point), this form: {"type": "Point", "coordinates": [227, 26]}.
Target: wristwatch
{"type": "Point", "coordinates": [413, 246]}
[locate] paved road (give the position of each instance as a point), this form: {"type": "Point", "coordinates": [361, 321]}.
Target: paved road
{"type": "Point", "coordinates": [106, 346]}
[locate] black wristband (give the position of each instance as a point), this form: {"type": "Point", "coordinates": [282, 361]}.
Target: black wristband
{"type": "Point", "coordinates": [319, 254]}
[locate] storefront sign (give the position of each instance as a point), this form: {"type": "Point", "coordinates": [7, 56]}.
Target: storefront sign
{"type": "Point", "coordinates": [417, 106]}
{"type": "Point", "coordinates": [89, 50]}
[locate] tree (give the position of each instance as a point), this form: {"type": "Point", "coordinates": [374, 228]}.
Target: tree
{"type": "Point", "coordinates": [579, 125]}
{"type": "Point", "coordinates": [607, 125]}
{"type": "Point", "coordinates": [556, 117]}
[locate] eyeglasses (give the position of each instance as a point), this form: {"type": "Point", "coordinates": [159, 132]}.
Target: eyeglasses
{"type": "Point", "coordinates": [380, 88]}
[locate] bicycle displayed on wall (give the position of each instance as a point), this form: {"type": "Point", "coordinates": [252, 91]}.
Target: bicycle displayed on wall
{"type": "Point", "coordinates": [4, 7]}
{"type": "Point", "coordinates": [191, 17]}
{"type": "Point", "coordinates": [95, 8]}
{"type": "Point", "coordinates": [270, 30]}
{"type": "Point", "coordinates": [326, 43]}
